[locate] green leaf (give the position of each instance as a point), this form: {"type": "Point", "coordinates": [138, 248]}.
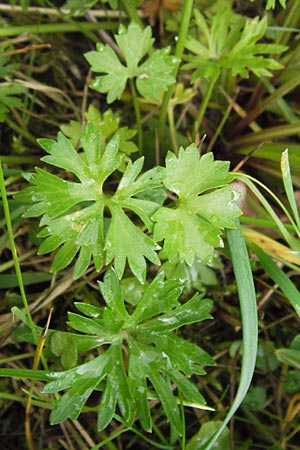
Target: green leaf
{"type": "Point", "coordinates": [206, 431]}
{"type": "Point", "coordinates": [125, 241]}
{"type": "Point", "coordinates": [255, 398]}
{"type": "Point", "coordinates": [186, 387]}
{"type": "Point", "coordinates": [185, 235]}
{"type": "Point", "coordinates": [153, 76]}
{"type": "Point", "coordinates": [195, 277]}
{"type": "Point", "coordinates": [87, 325]}
{"type": "Point", "coordinates": [120, 383]}
{"type": "Point", "coordinates": [97, 368]}
{"type": "Point", "coordinates": [177, 350]}
{"type": "Point", "coordinates": [105, 60]}
{"type": "Point", "coordinates": [288, 185]}
{"type": "Point", "coordinates": [73, 131]}
{"type": "Point", "coordinates": [107, 405]}
{"type": "Point", "coordinates": [107, 123]}
{"type": "Point", "coordinates": [271, 4]}
{"type": "Point", "coordinates": [72, 402]}
{"type": "Point", "coordinates": [77, 7]}
{"type": "Point", "coordinates": [134, 44]}
{"type": "Point", "coordinates": [164, 391]}
{"type": "Point", "coordinates": [247, 298]}
{"type": "Point", "coordinates": [113, 295]}
{"type": "Point", "coordinates": [65, 346]}
{"type": "Point", "coordinates": [156, 359]}
{"type": "Point", "coordinates": [9, 98]}
{"type": "Point", "coordinates": [139, 387]}
{"type": "Point", "coordinates": [156, 74]}
{"type": "Point", "coordinates": [292, 381]}
{"type": "Point", "coordinates": [194, 226]}
{"type": "Point", "coordinates": [228, 40]}
{"type": "Point", "coordinates": [9, 91]}
{"type": "Point", "coordinates": [73, 212]}
{"type": "Point", "coordinates": [159, 296]}
{"type": "Point", "coordinates": [279, 277]}
{"type": "Point", "coordinates": [89, 310]}
{"type": "Point", "coordinates": [192, 311]}
{"type": "Point", "coordinates": [203, 172]}
{"type": "Point", "coordinates": [289, 357]}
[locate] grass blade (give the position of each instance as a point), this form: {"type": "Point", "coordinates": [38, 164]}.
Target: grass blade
{"type": "Point", "coordinates": [279, 277]}
{"type": "Point", "coordinates": [247, 298]}
{"type": "Point", "coordinates": [288, 185]}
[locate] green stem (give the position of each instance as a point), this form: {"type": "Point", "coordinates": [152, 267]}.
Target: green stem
{"type": "Point", "coordinates": [132, 12]}
{"type": "Point", "coordinates": [280, 92]}
{"type": "Point", "coordinates": [172, 130]}
{"type": "Point", "coordinates": [219, 129]}
{"type": "Point", "coordinates": [15, 159]}
{"type": "Point", "coordinates": [268, 134]}
{"type": "Point", "coordinates": [203, 106]}
{"type": "Point", "coordinates": [137, 115]}
{"type": "Point", "coordinates": [182, 35]}
{"type": "Point", "coordinates": [107, 442]}
{"type": "Point", "coordinates": [21, 131]}
{"type": "Point", "coordinates": [249, 181]}
{"type": "Point", "coordinates": [291, 20]}
{"type": "Point", "coordinates": [14, 253]}
{"type": "Point", "coordinates": [54, 28]}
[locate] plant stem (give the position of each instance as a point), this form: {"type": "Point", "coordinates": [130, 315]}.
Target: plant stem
{"type": "Point", "coordinates": [249, 181]}
{"type": "Point", "coordinates": [14, 252]}
{"type": "Point", "coordinates": [54, 28]}
{"type": "Point", "coordinates": [219, 128]}
{"type": "Point", "coordinates": [132, 13]}
{"type": "Point", "coordinates": [284, 89]}
{"type": "Point", "coordinates": [21, 131]}
{"type": "Point", "coordinates": [26, 159]}
{"type": "Point", "coordinates": [268, 134]}
{"type": "Point", "coordinates": [137, 115]}
{"type": "Point", "coordinates": [172, 130]}
{"type": "Point", "coordinates": [182, 35]}
{"type": "Point", "coordinates": [203, 105]}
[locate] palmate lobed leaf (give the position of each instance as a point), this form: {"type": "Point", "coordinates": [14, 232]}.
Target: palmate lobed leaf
{"type": "Point", "coordinates": [152, 76]}
{"type": "Point", "coordinates": [230, 42]}
{"type": "Point", "coordinates": [193, 227]}
{"type": "Point", "coordinates": [188, 174]}
{"type": "Point", "coordinates": [9, 99]}
{"type": "Point", "coordinates": [9, 91]}
{"type": "Point", "coordinates": [107, 123]}
{"type": "Point", "coordinates": [155, 356]}
{"type": "Point", "coordinates": [74, 212]}
{"type": "Point", "coordinates": [85, 217]}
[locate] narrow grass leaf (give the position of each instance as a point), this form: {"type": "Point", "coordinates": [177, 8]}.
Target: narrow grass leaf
{"type": "Point", "coordinates": [277, 275]}
{"type": "Point", "coordinates": [30, 374]}
{"type": "Point", "coordinates": [289, 357]}
{"type": "Point", "coordinates": [288, 185]}
{"type": "Point", "coordinates": [245, 285]}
